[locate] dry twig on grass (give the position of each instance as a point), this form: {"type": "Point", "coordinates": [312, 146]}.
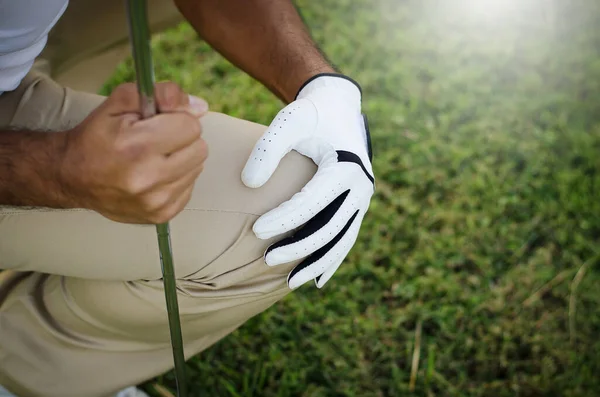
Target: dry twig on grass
{"type": "Point", "coordinates": [160, 389]}
{"type": "Point", "coordinates": [573, 298]}
{"type": "Point", "coordinates": [544, 289]}
{"type": "Point", "coordinates": [415, 358]}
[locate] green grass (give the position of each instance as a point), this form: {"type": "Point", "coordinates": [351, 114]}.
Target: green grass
{"type": "Point", "coordinates": [487, 141]}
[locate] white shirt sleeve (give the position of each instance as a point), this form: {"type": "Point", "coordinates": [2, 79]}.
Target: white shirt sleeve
{"type": "Point", "coordinates": [24, 27]}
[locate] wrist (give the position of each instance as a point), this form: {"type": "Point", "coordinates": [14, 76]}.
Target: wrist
{"type": "Point", "coordinates": [334, 86]}
{"type": "Point", "coordinates": [336, 81]}
{"type": "Point", "coordinates": [29, 173]}
{"type": "Point", "coordinates": [66, 174]}
{"type": "Point", "coordinates": [56, 179]}
{"type": "Point", "coordinates": [289, 90]}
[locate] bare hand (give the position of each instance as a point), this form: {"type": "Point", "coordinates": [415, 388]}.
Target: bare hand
{"type": "Point", "coordinates": [133, 170]}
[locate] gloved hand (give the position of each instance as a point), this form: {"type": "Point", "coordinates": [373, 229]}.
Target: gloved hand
{"type": "Point", "coordinates": [324, 123]}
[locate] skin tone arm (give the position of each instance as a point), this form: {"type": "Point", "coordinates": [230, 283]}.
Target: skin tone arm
{"type": "Point", "coordinates": [28, 175]}
{"type": "Point", "coordinates": [247, 32]}
{"type": "Point", "coordinates": [265, 38]}
{"type": "Point", "coordinates": [127, 169]}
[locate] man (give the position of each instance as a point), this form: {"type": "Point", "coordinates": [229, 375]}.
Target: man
{"type": "Point", "coordinates": [83, 178]}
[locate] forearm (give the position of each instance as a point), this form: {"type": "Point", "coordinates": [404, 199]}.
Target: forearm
{"type": "Point", "coordinates": [265, 38]}
{"type": "Point", "coordinates": [29, 169]}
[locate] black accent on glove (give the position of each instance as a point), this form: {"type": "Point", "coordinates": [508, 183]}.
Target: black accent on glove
{"type": "Point", "coordinates": [315, 223]}
{"type": "Point", "coordinates": [316, 76]}
{"type": "Point", "coordinates": [369, 147]}
{"type": "Point", "coordinates": [349, 157]}
{"type": "Point", "coordinates": [318, 254]}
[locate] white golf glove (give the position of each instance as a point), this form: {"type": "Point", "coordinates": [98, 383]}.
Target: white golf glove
{"type": "Point", "coordinates": [324, 123]}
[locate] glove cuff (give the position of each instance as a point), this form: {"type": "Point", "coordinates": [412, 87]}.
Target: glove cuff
{"type": "Point", "coordinates": [313, 82]}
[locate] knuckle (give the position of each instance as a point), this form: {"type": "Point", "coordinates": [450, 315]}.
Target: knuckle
{"type": "Point", "coordinates": [157, 218]}
{"type": "Point", "coordinates": [124, 124]}
{"type": "Point", "coordinates": [185, 126]}
{"type": "Point", "coordinates": [170, 87]}
{"type": "Point", "coordinates": [191, 124]}
{"type": "Point", "coordinates": [167, 213]}
{"type": "Point", "coordinates": [136, 183]}
{"type": "Point", "coordinates": [125, 93]}
{"type": "Point", "coordinates": [127, 148]}
{"type": "Point", "coordinates": [169, 95]}
{"type": "Point", "coordinates": [122, 147]}
{"type": "Point", "coordinates": [203, 149]}
{"type": "Point", "coordinates": [156, 202]}
{"type": "Point", "coordinates": [187, 196]}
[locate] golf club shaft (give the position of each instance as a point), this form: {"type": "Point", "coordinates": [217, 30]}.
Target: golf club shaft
{"type": "Point", "coordinates": [140, 43]}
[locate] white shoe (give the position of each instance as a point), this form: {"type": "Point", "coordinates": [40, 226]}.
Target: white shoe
{"type": "Point", "coordinates": [128, 392]}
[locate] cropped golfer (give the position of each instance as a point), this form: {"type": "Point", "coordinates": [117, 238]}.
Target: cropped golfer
{"type": "Point", "coordinates": [255, 211]}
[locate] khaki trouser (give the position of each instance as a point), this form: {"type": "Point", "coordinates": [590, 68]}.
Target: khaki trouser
{"type": "Point", "coordinates": [82, 309]}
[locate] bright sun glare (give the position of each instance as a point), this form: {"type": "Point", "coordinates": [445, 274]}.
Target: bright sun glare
{"type": "Point", "coordinates": [490, 9]}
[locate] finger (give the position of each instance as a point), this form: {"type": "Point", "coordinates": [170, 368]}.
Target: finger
{"type": "Point", "coordinates": [171, 98]}
{"type": "Point", "coordinates": [317, 232]}
{"type": "Point", "coordinates": [168, 133]}
{"type": "Point", "coordinates": [198, 106]}
{"type": "Point", "coordinates": [329, 255]}
{"type": "Point", "coordinates": [352, 236]}
{"type": "Point", "coordinates": [166, 201]}
{"type": "Point", "coordinates": [325, 186]}
{"type": "Point", "coordinates": [291, 125]}
{"type": "Point", "coordinates": [185, 180]}
{"type": "Point", "coordinates": [185, 197]}
{"type": "Point", "coordinates": [182, 187]}
{"type": "Point", "coordinates": [174, 207]}
{"type": "Point", "coordinates": [188, 160]}
{"type": "Point", "coordinates": [123, 99]}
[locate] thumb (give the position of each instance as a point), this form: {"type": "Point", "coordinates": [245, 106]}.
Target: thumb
{"type": "Point", "coordinates": [292, 124]}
